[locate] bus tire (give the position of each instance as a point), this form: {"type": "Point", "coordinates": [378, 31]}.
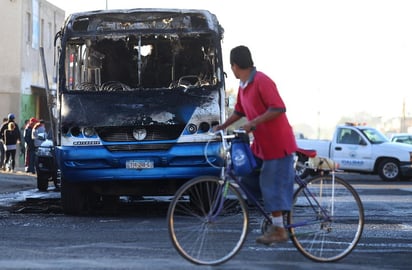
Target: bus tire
{"type": "Point", "coordinates": [73, 198]}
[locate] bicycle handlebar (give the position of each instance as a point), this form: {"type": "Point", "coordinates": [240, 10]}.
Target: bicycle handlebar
{"type": "Point", "coordinates": [227, 137]}
{"type": "Point", "coordinates": [225, 140]}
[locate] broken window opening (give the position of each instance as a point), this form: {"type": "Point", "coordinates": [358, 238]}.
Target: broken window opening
{"type": "Point", "coordinates": [141, 62]}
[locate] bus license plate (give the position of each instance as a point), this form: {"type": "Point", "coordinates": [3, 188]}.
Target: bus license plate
{"type": "Point", "coordinates": [139, 164]}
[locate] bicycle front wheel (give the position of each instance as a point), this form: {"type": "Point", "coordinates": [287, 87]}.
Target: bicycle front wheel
{"type": "Point", "coordinates": [327, 219]}
{"type": "Point", "coordinates": [207, 221]}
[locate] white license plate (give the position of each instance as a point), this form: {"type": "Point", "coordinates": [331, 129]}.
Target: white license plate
{"type": "Point", "coordinates": [139, 164]}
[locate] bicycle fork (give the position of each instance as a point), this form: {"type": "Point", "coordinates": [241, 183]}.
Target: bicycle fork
{"type": "Point", "coordinates": [218, 201]}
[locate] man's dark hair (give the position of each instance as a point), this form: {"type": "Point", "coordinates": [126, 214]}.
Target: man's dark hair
{"type": "Point", "coordinates": [241, 56]}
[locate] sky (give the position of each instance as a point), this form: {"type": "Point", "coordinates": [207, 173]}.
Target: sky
{"type": "Point", "coordinates": [328, 58]}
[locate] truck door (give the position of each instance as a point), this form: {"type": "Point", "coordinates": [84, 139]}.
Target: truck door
{"type": "Point", "coordinates": [351, 151]}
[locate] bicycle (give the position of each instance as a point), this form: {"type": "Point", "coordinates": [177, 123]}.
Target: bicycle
{"type": "Point", "coordinates": [325, 223]}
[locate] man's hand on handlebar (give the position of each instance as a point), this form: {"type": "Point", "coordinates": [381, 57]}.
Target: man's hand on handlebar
{"type": "Point", "coordinates": [249, 127]}
{"type": "Point", "coordinates": [218, 127]}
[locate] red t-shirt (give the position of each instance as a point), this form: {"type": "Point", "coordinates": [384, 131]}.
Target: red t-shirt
{"type": "Point", "coordinates": [274, 138]}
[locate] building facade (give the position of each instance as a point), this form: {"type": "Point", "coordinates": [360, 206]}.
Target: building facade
{"type": "Point", "coordinates": [27, 25]}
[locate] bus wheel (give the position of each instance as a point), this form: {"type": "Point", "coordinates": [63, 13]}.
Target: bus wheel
{"type": "Point", "coordinates": [73, 198]}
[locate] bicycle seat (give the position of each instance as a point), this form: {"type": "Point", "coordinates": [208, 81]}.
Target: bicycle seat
{"type": "Point", "coordinates": [307, 152]}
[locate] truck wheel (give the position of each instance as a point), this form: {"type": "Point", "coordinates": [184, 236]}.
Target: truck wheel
{"type": "Point", "coordinates": [42, 182]}
{"type": "Point", "coordinates": [388, 170]}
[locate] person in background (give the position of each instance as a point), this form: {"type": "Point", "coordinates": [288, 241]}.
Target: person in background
{"type": "Point", "coordinates": [23, 145]}
{"type": "Point", "coordinates": [29, 145]}
{"type": "Point", "coordinates": [4, 127]}
{"type": "Point", "coordinates": [2, 151]}
{"type": "Point", "coordinates": [38, 129]}
{"type": "Point", "coordinates": [274, 143]}
{"type": "Point", "coordinates": [11, 138]}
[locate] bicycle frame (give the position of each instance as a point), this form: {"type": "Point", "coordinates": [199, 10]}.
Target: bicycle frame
{"type": "Point", "coordinates": [314, 204]}
{"type": "Point", "coordinates": [228, 174]}
{"type": "Point", "coordinates": [325, 217]}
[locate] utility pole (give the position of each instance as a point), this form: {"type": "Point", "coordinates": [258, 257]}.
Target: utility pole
{"type": "Point", "coordinates": [318, 114]}
{"type": "Point", "coordinates": [403, 118]}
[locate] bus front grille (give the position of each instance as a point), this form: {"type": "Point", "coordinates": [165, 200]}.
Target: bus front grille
{"type": "Point", "coordinates": [139, 147]}
{"type": "Point", "coordinates": [153, 133]}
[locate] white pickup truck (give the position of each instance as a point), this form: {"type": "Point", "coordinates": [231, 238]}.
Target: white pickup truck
{"type": "Point", "coordinates": [362, 149]}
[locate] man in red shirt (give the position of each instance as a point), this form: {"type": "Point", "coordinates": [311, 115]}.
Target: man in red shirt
{"type": "Point", "coordinates": [274, 143]}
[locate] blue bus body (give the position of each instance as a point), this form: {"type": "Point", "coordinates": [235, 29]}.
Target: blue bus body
{"type": "Point", "coordinates": [138, 93]}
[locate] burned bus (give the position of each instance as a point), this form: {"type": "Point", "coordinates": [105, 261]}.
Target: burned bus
{"type": "Point", "coordinates": [138, 92]}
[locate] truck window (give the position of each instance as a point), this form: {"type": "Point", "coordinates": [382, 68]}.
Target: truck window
{"type": "Point", "coordinates": [348, 136]}
{"type": "Point", "coordinates": [374, 136]}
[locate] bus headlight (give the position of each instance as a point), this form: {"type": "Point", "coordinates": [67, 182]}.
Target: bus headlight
{"type": "Point", "coordinates": [88, 132]}
{"type": "Point", "coordinates": [191, 128]}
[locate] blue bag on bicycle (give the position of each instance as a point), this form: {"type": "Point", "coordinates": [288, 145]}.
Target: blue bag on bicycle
{"type": "Point", "coordinates": [243, 161]}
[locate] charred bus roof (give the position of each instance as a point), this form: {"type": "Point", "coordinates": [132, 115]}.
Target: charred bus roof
{"type": "Point", "coordinates": [142, 20]}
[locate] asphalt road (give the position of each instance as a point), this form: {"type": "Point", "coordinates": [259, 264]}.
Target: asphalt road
{"type": "Point", "coordinates": [36, 235]}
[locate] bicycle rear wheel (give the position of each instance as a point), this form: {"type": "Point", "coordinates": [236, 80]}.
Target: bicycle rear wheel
{"type": "Point", "coordinates": [327, 219]}
{"type": "Point", "coordinates": [207, 221]}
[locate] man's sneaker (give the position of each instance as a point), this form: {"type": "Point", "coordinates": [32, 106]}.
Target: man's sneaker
{"type": "Point", "coordinates": [274, 234]}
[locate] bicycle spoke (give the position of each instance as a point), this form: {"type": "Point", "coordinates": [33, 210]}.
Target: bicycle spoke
{"type": "Point", "coordinates": [327, 219]}
{"type": "Point", "coordinates": [200, 217]}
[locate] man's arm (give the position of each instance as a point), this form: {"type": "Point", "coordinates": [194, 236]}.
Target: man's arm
{"type": "Point", "coordinates": [268, 115]}
{"type": "Point", "coordinates": [232, 119]}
